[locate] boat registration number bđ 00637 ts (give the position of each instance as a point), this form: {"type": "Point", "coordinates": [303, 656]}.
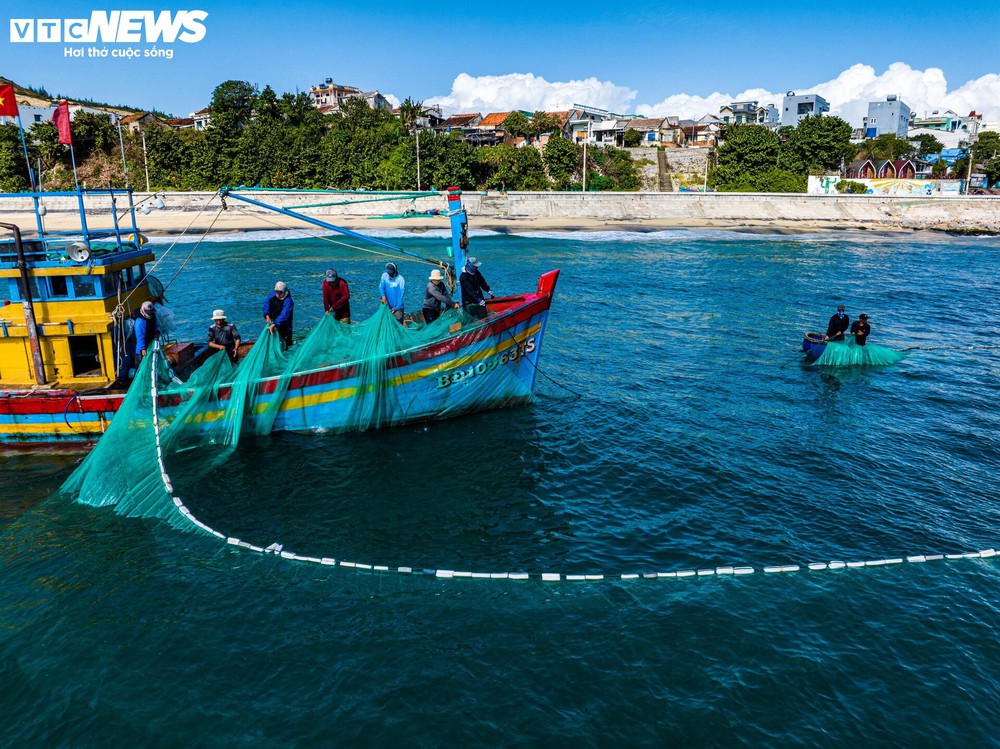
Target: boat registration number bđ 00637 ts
{"type": "Point", "coordinates": [488, 365]}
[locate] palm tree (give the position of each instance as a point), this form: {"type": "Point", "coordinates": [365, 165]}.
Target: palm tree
{"type": "Point", "coordinates": [410, 112]}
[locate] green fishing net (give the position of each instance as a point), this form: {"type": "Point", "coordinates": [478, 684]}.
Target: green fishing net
{"type": "Point", "coordinates": [848, 353]}
{"type": "Point", "coordinates": [220, 404]}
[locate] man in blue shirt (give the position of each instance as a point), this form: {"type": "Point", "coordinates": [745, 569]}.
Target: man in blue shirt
{"type": "Point", "coordinates": [146, 329]}
{"type": "Point", "coordinates": [391, 288]}
{"type": "Point", "coordinates": [278, 310]}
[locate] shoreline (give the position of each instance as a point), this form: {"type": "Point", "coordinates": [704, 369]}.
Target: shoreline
{"type": "Point", "coordinates": [520, 213]}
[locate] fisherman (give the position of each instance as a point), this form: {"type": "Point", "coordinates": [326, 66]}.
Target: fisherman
{"type": "Point", "coordinates": [223, 336]}
{"type": "Point", "coordinates": [336, 297]}
{"type": "Point", "coordinates": [391, 288]}
{"type": "Point", "coordinates": [473, 285]}
{"type": "Point", "coordinates": [278, 312]}
{"type": "Point", "coordinates": [146, 329]}
{"type": "Point", "coordinates": [839, 323]}
{"type": "Point", "coordinates": [861, 330]}
{"type": "Point", "coordinates": [435, 296]}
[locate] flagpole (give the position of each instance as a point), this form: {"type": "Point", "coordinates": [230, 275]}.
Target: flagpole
{"type": "Point", "coordinates": [31, 176]}
{"type": "Point", "coordinates": [72, 156]}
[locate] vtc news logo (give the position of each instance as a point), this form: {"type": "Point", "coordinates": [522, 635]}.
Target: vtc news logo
{"type": "Point", "coordinates": [114, 26]}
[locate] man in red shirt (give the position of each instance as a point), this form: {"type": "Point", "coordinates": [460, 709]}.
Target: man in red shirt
{"type": "Point", "coordinates": [336, 296]}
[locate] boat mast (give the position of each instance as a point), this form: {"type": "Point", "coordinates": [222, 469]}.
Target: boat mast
{"type": "Point", "coordinates": [459, 235]}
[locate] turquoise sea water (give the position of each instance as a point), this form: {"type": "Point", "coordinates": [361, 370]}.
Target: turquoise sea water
{"type": "Point", "coordinates": [699, 440]}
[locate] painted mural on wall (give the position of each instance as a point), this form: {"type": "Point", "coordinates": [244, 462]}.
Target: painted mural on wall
{"type": "Point", "coordinates": [889, 187]}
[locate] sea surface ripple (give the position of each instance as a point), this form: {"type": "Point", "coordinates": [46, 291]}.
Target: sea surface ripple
{"type": "Point", "coordinates": [676, 427]}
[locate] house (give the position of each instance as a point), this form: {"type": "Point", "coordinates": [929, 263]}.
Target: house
{"type": "Point", "coordinates": [749, 113]}
{"type": "Point", "coordinates": [889, 117]}
{"type": "Point", "coordinates": [796, 107]}
{"type": "Point", "coordinates": [881, 169]}
{"type": "Point", "coordinates": [658, 131]}
{"type": "Point", "coordinates": [582, 118]}
{"type": "Point", "coordinates": [139, 121]}
{"type": "Point", "coordinates": [703, 133]}
{"type": "Point", "coordinates": [30, 115]}
{"type": "Point", "coordinates": [179, 123]}
{"type": "Point", "coordinates": [460, 124]}
{"type": "Point", "coordinates": [330, 94]}
{"type": "Point", "coordinates": [201, 118]}
{"type": "Point", "coordinates": [608, 132]}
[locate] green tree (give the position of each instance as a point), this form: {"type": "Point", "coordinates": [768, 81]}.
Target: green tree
{"type": "Point", "coordinates": [13, 172]}
{"type": "Point", "coordinates": [992, 171]}
{"type": "Point", "coordinates": [543, 122]}
{"type": "Point", "coordinates": [513, 168]}
{"type": "Point", "coordinates": [562, 160]}
{"type": "Point", "coordinates": [940, 169]}
{"type": "Point", "coordinates": [928, 144]}
{"type": "Point", "coordinates": [632, 138]}
{"type": "Point", "coordinates": [888, 146]}
{"type": "Point", "coordinates": [986, 147]}
{"type": "Point", "coordinates": [748, 151]}
{"type": "Point", "coordinates": [615, 165]}
{"type": "Point", "coordinates": [817, 144]}
{"type": "Point", "coordinates": [517, 125]}
{"type": "Point", "coordinates": [410, 112]}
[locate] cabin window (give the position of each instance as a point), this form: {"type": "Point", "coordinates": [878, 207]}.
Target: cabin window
{"type": "Point", "coordinates": [84, 287]}
{"type": "Point", "coordinates": [58, 286]}
{"type": "Point", "coordinates": [84, 356]}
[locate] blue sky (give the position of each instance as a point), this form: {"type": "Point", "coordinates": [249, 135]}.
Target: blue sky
{"type": "Point", "coordinates": [625, 56]}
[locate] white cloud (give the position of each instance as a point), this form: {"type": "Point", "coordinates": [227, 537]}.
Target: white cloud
{"type": "Point", "coordinates": [503, 93]}
{"type": "Point", "coordinates": [848, 94]}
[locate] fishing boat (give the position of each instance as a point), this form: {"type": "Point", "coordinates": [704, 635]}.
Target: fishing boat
{"type": "Point", "coordinates": [813, 345]}
{"type": "Point", "coordinates": [65, 350]}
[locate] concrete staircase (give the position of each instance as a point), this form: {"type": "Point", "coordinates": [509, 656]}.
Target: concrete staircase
{"type": "Point", "coordinates": [665, 184]}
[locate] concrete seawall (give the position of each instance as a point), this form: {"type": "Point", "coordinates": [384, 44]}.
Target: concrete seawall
{"type": "Point", "coordinates": [523, 211]}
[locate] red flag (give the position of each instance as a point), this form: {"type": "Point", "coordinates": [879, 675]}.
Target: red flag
{"type": "Point", "coordinates": [61, 118]}
{"type": "Point", "coordinates": [8, 104]}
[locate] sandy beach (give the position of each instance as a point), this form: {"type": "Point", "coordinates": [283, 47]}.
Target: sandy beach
{"type": "Point", "coordinates": [199, 213]}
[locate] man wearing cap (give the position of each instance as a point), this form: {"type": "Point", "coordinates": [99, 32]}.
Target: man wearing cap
{"type": "Point", "coordinates": [473, 285]}
{"type": "Point", "coordinates": [336, 297]}
{"type": "Point", "coordinates": [435, 296]}
{"type": "Point", "coordinates": [861, 330]}
{"type": "Point", "coordinates": [278, 311]}
{"type": "Point", "coordinates": [146, 329]}
{"type": "Point", "coordinates": [223, 336]}
{"type": "Point", "coordinates": [839, 323]}
{"type": "Point", "coordinates": [391, 289]}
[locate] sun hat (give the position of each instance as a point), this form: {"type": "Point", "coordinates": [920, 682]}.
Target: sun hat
{"type": "Point", "coordinates": [391, 268]}
{"type": "Point", "coordinates": [218, 315]}
{"type": "Point", "coordinates": [473, 261]}
{"type": "Point", "coordinates": [436, 275]}
{"type": "Point", "coordinates": [281, 286]}
{"type": "Point", "coordinates": [331, 274]}
{"type": "Point", "coordinates": [146, 310]}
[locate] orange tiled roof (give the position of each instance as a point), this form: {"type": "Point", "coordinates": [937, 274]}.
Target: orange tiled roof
{"type": "Point", "coordinates": [494, 119]}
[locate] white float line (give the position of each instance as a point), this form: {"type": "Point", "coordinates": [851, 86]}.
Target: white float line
{"type": "Point", "coordinates": [278, 550]}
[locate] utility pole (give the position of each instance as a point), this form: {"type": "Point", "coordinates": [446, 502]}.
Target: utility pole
{"type": "Point", "coordinates": [585, 142]}
{"type": "Point", "coordinates": [145, 160]}
{"type": "Point", "coordinates": [418, 159]}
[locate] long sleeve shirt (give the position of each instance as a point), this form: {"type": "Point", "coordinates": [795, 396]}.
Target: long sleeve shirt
{"type": "Point", "coordinates": [435, 296]}
{"type": "Point", "coordinates": [392, 289]}
{"type": "Point", "coordinates": [335, 295]}
{"type": "Point", "coordinates": [280, 310]}
{"type": "Point", "coordinates": [473, 285]}
{"type": "Point", "coordinates": [145, 331]}
{"type": "Point", "coordinates": [838, 326]}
